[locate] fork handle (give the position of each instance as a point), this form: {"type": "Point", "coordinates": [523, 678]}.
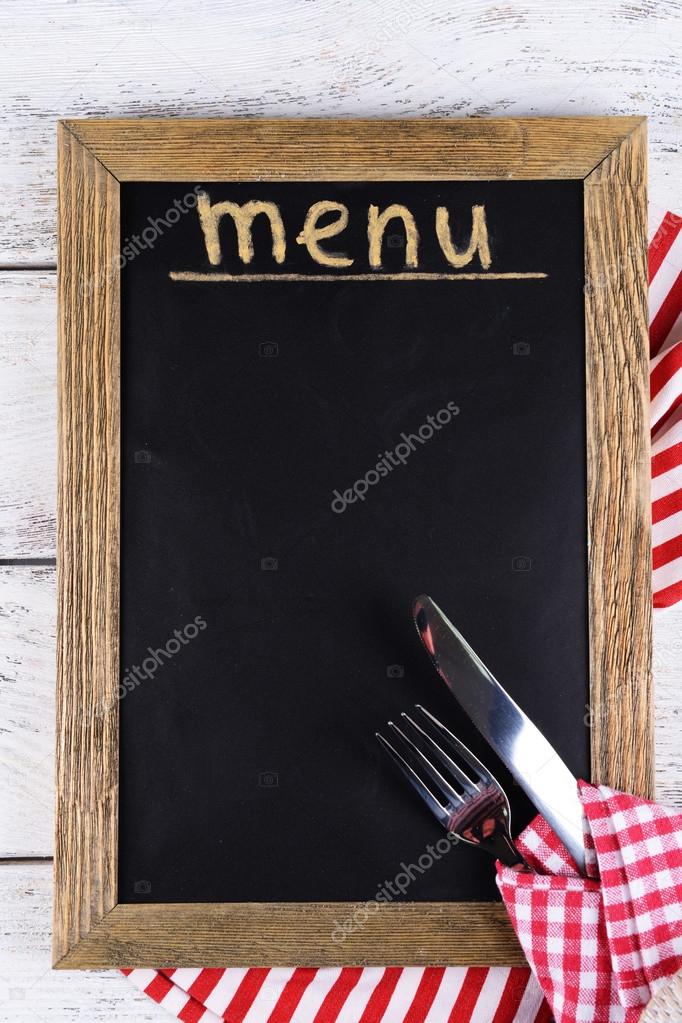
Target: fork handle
{"type": "Point", "coordinates": [492, 835]}
{"type": "Point", "coordinates": [500, 845]}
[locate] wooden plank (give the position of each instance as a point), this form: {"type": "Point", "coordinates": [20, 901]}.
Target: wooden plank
{"type": "Point", "coordinates": [27, 630]}
{"type": "Point", "coordinates": [666, 1005]}
{"type": "Point", "coordinates": [86, 765]}
{"type": "Point", "coordinates": [28, 415]}
{"type": "Point", "coordinates": [29, 989]}
{"type": "Point", "coordinates": [667, 672]}
{"type": "Point", "coordinates": [335, 150]}
{"type": "Point", "coordinates": [619, 469]}
{"type": "Point", "coordinates": [296, 59]}
{"type": "Point", "coordinates": [212, 934]}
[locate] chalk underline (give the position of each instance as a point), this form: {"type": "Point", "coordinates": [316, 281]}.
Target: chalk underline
{"type": "Point", "coordinates": [189, 275]}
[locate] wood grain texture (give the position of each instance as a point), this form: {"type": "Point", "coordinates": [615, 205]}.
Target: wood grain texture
{"type": "Point", "coordinates": [90, 929]}
{"type": "Point", "coordinates": [27, 603]}
{"type": "Point", "coordinates": [287, 934]}
{"type": "Point", "coordinates": [329, 150]}
{"type": "Point", "coordinates": [666, 1006]}
{"type": "Point", "coordinates": [330, 58]}
{"type": "Point", "coordinates": [30, 990]}
{"type": "Point", "coordinates": [28, 413]}
{"type": "Point", "coordinates": [667, 674]}
{"type": "Point", "coordinates": [618, 468]}
{"type": "Point", "coordinates": [86, 767]}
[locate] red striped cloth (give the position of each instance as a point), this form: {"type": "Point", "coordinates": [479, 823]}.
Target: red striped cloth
{"type": "Point", "coordinates": [457, 994]}
{"type": "Point", "coordinates": [665, 331]}
{"type": "Point", "coordinates": [392, 994]}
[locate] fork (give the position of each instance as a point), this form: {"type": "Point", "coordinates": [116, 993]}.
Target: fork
{"type": "Point", "coordinates": [477, 810]}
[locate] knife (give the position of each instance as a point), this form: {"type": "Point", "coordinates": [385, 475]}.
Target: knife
{"type": "Point", "coordinates": [535, 765]}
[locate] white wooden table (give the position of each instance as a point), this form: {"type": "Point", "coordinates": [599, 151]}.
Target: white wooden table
{"type": "Point", "coordinates": [341, 58]}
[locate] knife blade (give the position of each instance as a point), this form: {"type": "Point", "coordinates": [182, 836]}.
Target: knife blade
{"type": "Point", "coordinates": [535, 765]}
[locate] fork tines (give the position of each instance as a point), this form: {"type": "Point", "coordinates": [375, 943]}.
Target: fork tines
{"type": "Point", "coordinates": [443, 785]}
{"type": "Point", "coordinates": [469, 803]}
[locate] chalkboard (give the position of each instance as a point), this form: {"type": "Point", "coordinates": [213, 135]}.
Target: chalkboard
{"type": "Point", "coordinates": [317, 393]}
{"type": "Point", "coordinates": [249, 766]}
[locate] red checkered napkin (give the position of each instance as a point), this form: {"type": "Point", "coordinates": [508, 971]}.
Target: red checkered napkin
{"type": "Point", "coordinates": [601, 946]}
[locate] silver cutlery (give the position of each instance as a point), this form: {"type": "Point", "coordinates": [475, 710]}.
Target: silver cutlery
{"type": "Point", "coordinates": [469, 803]}
{"type": "Point", "coordinates": [520, 745]}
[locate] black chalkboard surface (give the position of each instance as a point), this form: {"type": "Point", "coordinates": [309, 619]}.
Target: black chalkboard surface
{"type": "Point", "coordinates": [265, 630]}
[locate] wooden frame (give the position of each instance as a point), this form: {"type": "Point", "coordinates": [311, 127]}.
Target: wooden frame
{"type": "Point", "coordinates": [609, 155]}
